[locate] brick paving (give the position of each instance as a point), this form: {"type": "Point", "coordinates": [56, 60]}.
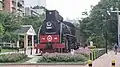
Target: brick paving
{"type": "Point", "coordinates": [103, 61]}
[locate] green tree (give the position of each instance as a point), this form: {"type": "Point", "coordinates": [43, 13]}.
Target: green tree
{"type": "Point", "coordinates": [35, 22]}
{"type": "Point", "coordinates": [1, 30]}
{"type": "Point", "coordinates": [99, 22]}
{"type": "Point", "coordinates": [10, 23]}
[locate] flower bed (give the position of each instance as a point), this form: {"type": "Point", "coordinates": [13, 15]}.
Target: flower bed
{"type": "Point", "coordinates": [92, 53]}
{"type": "Point", "coordinates": [66, 57]}
{"type": "Point", "coordinates": [86, 51]}
{"type": "Point", "coordinates": [14, 57]}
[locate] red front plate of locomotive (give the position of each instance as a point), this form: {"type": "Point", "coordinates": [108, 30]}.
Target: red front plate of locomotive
{"type": "Point", "coordinates": [49, 38]}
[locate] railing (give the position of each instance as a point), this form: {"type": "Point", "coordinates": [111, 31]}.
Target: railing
{"type": "Point", "coordinates": [96, 53]}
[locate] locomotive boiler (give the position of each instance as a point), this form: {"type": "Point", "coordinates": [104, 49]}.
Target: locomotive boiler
{"type": "Point", "coordinates": [56, 35]}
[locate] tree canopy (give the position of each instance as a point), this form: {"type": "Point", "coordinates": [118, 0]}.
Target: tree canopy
{"type": "Point", "coordinates": [99, 22]}
{"type": "Point", "coordinates": [9, 22]}
{"type": "Point", "coordinates": [1, 30]}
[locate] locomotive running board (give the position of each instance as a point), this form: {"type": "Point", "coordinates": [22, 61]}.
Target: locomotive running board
{"type": "Point", "coordinates": [58, 46]}
{"type": "Point", "coordinates": [43, 46]}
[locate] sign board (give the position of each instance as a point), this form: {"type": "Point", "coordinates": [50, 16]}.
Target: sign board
{"type": "Point", "coordinates": [49, 38]}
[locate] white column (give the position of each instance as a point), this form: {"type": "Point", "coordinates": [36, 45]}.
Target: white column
{"type": "Point", "coordinates": [26, 41]}
{"type": "Point", "coordinates": [32, 41]}
{"type": "Point", "coordinates": [18, 44]}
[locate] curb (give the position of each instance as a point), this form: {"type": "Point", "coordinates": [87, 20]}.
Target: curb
{"type": "Point", "coordinates": [84, 63]}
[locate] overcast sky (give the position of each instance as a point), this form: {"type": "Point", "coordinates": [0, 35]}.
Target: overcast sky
{"type": "Point", "coordinates": [67, 8]}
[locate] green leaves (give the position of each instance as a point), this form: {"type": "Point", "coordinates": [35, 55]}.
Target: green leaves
{"type": "Point", "coordinates": [1, 30]}
{"type": "Point", "coordinates": [66, 57]}
{"type": "Point", "coordinates": [99, 22]}
{"type": "Point", "coordinates": [9, 22]}
{"type": "Point", "coordinates": [34, 21]}
{"type": "Point", "coordinates": [14, 57]}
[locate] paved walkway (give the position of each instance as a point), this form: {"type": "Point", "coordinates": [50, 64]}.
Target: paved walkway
{"type": "Point", "coordinates": [106, 59]}
{"type": "Point", "coordinates": [33, 60]}
{"type": "Point", "coordinates": [103, 61]}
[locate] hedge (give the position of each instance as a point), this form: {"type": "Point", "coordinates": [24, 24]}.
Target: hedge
{"type": "Point", "coordinates": [66, 57]}
{"type": "Point", "coordinates": [14, 57]}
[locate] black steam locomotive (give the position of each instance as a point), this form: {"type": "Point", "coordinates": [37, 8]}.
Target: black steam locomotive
{"type": "Point", "coordinates": [56, 35]}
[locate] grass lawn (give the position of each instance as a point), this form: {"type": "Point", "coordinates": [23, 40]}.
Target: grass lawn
{"type": "Point", "coordinates": [8, 50]}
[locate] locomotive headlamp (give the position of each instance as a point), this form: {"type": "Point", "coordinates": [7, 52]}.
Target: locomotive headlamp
{"type": "Point", "coordinates": [49, 24]}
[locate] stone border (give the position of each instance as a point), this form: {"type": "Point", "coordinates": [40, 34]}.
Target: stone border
{"type": "Point", "coordinates": [62, 63]}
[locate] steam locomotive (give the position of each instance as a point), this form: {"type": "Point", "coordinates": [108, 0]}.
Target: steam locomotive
{"type": "Point", "coordinates": [56, 35]}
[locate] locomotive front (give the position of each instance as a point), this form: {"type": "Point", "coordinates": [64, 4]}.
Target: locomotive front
{"type": "Point", "coordinates": [49, 32]}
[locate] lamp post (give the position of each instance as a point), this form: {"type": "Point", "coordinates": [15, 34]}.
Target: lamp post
{"type": "Point", "coordinates": [118, 17]}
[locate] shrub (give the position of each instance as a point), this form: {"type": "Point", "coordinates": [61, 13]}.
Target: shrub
{"type": "Point", "coordinates": [86, 55]}
{"type": "Point", "coordinates": [8, 47]}
{"type": "Point", "coordinates": [66, 57]}
{"type": "Point", "coordinates": [12, 57]}
{"type": "Point", "coordinates": [86, 52]}
{"type": "Point", "coordinates": [83, 51]}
